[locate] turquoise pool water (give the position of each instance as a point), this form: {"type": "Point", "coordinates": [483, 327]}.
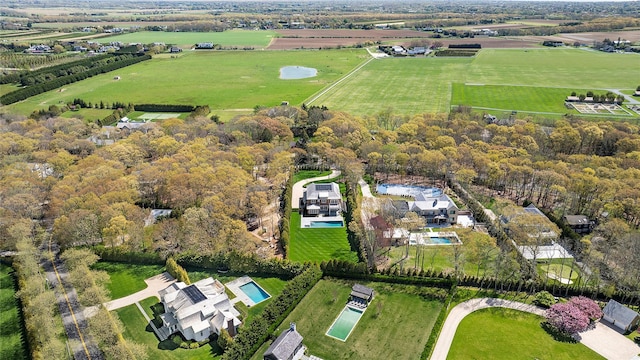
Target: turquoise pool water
{"type": "Point", "coordinates": [325, 224]}
{"type": "Point", "coordinates": [439, 240]}
{"type": "Point", "coordinates": [345, 323]}
{"type": "Point", "coordinates": [254, 292]}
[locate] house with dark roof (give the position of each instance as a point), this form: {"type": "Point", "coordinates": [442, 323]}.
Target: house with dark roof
{"type": "Point", "coordinates": [198, 310]}
{"type": "Point", "coordinates": [288, 346]}
{"type": "Point", "coordinates": [322, 199]}
{"type": "Point", "coordinates": [620, 316]}
{"type": "Point", "coordinates": [361, 293]}
{"type": "Point", "coordinates": [580, 224]}
{"type": "Point", "coordinates": [438, 209]}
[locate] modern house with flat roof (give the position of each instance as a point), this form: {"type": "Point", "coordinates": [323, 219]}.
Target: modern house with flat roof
{"type": "Point", "coordinates": [199, 310]}
{"type": "Point", "coordinates": [288, 346]}
{"type": "Point", "coordinates": [322, 199]}
{"type": "Point", "coordinates": [620, 316]}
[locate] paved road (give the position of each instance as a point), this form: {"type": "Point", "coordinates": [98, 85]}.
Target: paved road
{"type": "Point", "coordinates": [73, 319]}
{"type": "Point", "coordinates": [298, 188]}
{"type": "Point", "coordinates": [603, 340]}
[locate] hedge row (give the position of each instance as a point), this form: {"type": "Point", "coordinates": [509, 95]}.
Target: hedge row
{"type": "Point", "coordinates": [353, 213]}
{"type": "Point", "coordinates": [242, 264]}
{"type": "Point", "coordinates": [165, 108]}
{"type": "Point", "coordinates": [27, 92]}
{"type": "Point", "coordinates": [18, 77]}
{"type": "Point", "coordinates": [437, 327]}
{"type": "Point", "coordinates": [177, 271]}
{"type": "Point", "coordinates": [251, 336]}
{"type": "Point", "coordinates": [285, 204]}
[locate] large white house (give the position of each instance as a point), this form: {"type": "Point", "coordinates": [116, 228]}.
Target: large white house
{"type": "Point", "coordinates": [435, 209]}
{"type": "Point", "coordinates": [322, 199]}
{"type": "Point", "coordinates": [198, 310]}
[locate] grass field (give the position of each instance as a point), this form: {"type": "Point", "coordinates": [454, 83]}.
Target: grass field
{"type": "Point", "coordinates": [189, 39]}
{"type": "Point", "coordinates": [138, 330]}
{"type": "Point", "coordinates": [89, 115]}
{"type": "Point", "coordinates": [318, 244]}
{"type": "Point", "coordinates": [396, 325]}
{"type": "Point", "coordinates": [222, 80]}
{"type": "Point", "coordinates": [12, 345]}
{"type": "Point", "coordinates": [557, 267]}
{"type": "Point", "coordinates": [127, 279]}
{"type": "Point", "coordinates": [509, 334]}
{"type": "Point", "coordinates": [513, 79]}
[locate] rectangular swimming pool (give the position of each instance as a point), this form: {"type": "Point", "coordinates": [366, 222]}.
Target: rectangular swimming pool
{"type": "Point", "coordinates": [344, 324]}
{"type": "Point", "coordinates": [254, 292]}
{"type": "Point", "coordinates": [325, 224]}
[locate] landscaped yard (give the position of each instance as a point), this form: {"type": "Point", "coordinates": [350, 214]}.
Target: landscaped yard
{"type": "Point", "coordinates": [127, 279]}
{"type": "Point", "coordinates": [558, 268]}
{"type": "Point", "coordinates": [12, 345]}
{"type": "Point", "coordinates": [318, 244]}
{"type": "Point", "coordinates": [498, 333]}
{"type": "Point", "coordinates": [396, 325]}
{"type": "Point", "coordinates": [138, 330]}
{"type": "Point", "coordinates": [307, 174]}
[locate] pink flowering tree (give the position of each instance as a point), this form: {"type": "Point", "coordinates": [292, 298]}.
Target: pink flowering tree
{"type": "Point", "coordinates": [587, 306]}
{"type": "Point", "coordinates": [567, 318]}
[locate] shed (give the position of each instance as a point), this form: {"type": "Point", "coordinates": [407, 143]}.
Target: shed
{"type": "Point", "coordinates": [620, 316]}
{"type": "Point", "coordinates": [361, 292]}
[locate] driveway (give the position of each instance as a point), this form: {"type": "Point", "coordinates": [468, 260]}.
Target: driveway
{"type": "Point", "coordinates": [154, 284]}
{"type": "Point", "coordinates": [603, 340]}
{"type": "Point", "coordinates": [298, 188]}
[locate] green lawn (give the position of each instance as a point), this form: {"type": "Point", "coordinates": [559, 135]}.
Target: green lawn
{"type": "Point", "coordinates": [222, 80]}
{"type": "Point", "coordinates": [189, 39]}
{"type": "Point", "coordinates": [512, 79]}
{"type": "Point", "coordinates": [138, 330]}
{"type": "Point", "coordinates": [127, 279]}
{"type": "Point", "coordinates": [318, 244]}
{"type": "Point", "coordinates": [558, 267]}
{"type": "Point", "coordinates": [396, 325]}
{"type": "Point", "coordinates": [88, 114]}
{"type": "Point", "coordinates": [12, 345]}
{"type": "Point", "coordinates": [307, 174]}
{"type": "Point", "coordinates": [148, 303]}
{"type": "Point", "coordinates": [498, 333]}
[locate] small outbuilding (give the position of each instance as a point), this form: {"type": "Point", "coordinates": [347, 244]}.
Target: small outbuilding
{"type": "Point", "coordinates": [361, 293]}
{"type": "Point", "coordinates": [620, 316]}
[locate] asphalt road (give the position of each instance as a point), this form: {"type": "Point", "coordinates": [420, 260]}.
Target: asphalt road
{"type": "Point", "coordinates": [75, 324]}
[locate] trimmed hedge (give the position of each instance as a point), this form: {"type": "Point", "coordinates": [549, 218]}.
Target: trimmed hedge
{"type": "Point", "coordinates": [285, 204]}
{"type": "Point", "coordinates": [177, 271]}
{"type": "Point", "coordinates": [437, 327]}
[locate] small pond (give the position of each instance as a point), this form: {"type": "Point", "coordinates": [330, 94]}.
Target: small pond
{"type": "Point", "coordinates": [297, 72]}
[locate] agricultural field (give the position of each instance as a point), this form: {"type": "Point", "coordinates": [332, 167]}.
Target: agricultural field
{"type": "Point", "coordinates": [222, 79]}
{"type": "Point", "coordinates": [498, 333]}
{"type": "Point", "coordinates": [396, 313]}
{"type": "Point", "coordinates": [259, 39]}
{"type": "Point", "coordinates": [318, 244]}
{"type": "Point", "coordinates": [12, 343]}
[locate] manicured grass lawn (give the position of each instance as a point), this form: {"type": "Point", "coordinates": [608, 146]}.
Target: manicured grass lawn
{"type": "Point", "coordinates": [148, 303]}
{"type": "Point", "coordinates": [138, 330]}
{"type": "Point", "coordinates": [318, 244]}
{"type": "Point", "coordinates": [307, 174]}
{"type": "Point", "coordinates": [127, 279]}
{"type": "Point", "coordinates": [222, 80]}
{"type": "Point", "coordinates": [88, 114]}
{"type": "Point", "coordinates": [189, 39]}
{"type": "Point", "coordinates": [12, 345]}
{"type": "Point", "coordinates": [560, 268]}
{"type": "Point", "coordinates": [509, 334]}
{"type": "Point", "coordinates": [396, 325]}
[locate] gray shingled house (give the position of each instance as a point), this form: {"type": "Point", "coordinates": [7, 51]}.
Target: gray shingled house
{"type": "Point", "coordinates": [288, 346]}
{"type": "Point", "coordinates": [620, 316]}
{"type": "Point", "coordinates": [322, 199]}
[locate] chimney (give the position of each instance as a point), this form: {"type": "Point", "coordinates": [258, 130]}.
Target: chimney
{"type": "Point", "coordinates": [230, 328]}
{"type": "Point", "coordinates": [292, 326]}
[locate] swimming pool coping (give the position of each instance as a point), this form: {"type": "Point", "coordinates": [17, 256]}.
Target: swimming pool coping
{"type": "Point", "coordinates": [234, 287]}
{"type": "Point", "coordinates": [353, 327]}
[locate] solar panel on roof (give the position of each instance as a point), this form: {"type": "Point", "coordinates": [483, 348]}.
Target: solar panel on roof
{"type": "Point", "coordinates": [194, 294]}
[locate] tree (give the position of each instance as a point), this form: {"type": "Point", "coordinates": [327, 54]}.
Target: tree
{"type": "Point", "coordinates": [588, 307]}
{"type": "Point", "coordinates": [545, 299]}
{"type": "Point", "coordinates": [224, 340]}
{"type": "Point", "coordinates": [567, 318]}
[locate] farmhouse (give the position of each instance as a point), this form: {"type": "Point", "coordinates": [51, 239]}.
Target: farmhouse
{"type": "Point", "coordinates": [199, 310]}
{"type": "Point", "coordinates": [579, 223]}
{"type": "Point", "coordinates": [620, 316]}
{"type": "Point", "coordinates": [288, 346]}
{"type": "Point", "coordinates": [436, 209]}
{"type": "Point", "coordinates": [322, 199]}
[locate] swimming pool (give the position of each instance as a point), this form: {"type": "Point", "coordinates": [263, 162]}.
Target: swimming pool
{"type": "Point", "coordinates": [438, 240]}
{"type": "Point", "coordinates": [325, 224]}
{"type": "Point", "coordinates": [344, 324]}
{"type": "Point", "coordinates": [254, 292]}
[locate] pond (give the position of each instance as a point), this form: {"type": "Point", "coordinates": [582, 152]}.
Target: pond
{"type": "Point", "coordinates": [297, 72]}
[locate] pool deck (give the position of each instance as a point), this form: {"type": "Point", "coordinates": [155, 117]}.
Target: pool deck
{"type": "Point", "coordinates": [305, 221]}
{"type": "Point", "coordinates": [234, 286]}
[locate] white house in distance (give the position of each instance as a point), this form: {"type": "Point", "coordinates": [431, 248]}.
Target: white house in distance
{"type": "Point", "coordinates": [198, 310]}
{"type": "Point", "coordinates": [620, 316]}
{"type": "Point", "coordinates": [322, 199]}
